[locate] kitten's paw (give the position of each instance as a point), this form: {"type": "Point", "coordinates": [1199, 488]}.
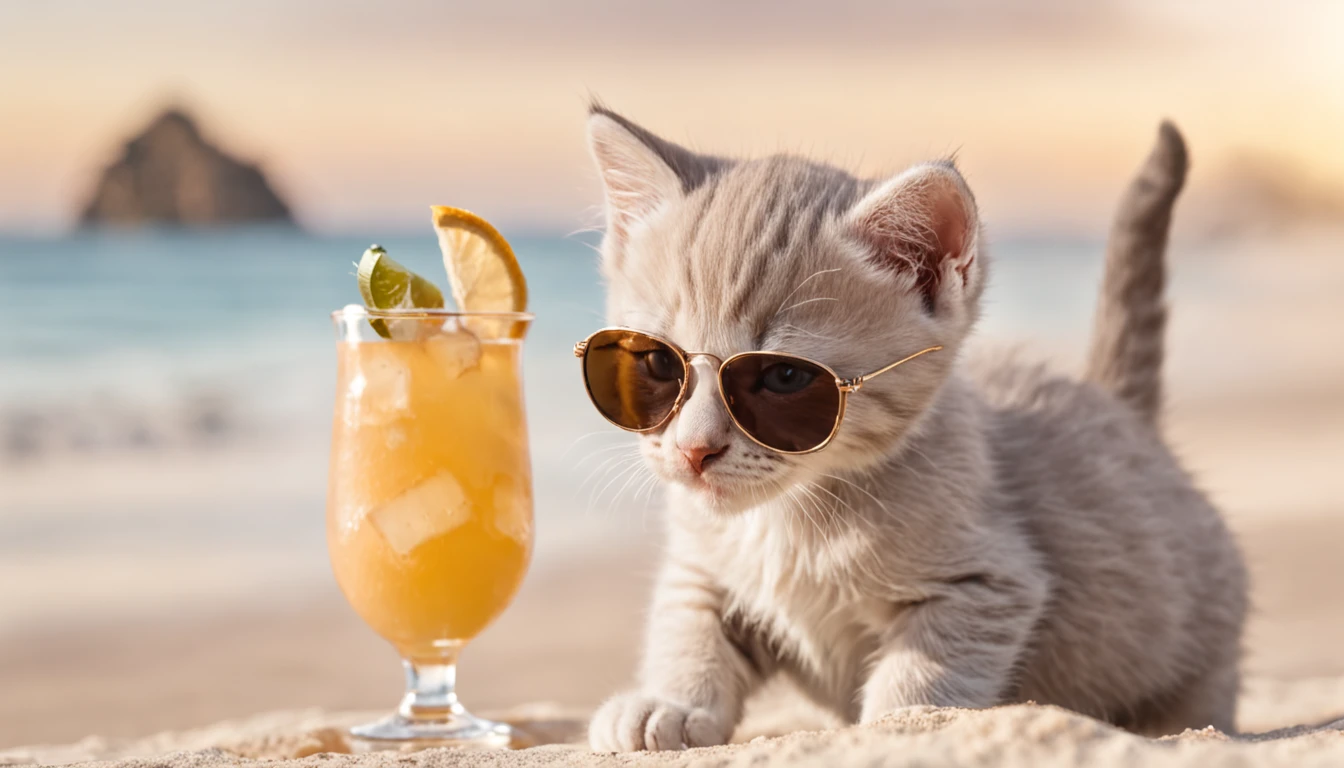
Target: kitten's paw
{"type": "Point", "coordinates": [631, 722]}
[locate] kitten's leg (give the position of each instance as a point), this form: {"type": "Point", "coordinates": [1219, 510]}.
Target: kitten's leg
{"type": "Point", "coordinates": [1210, 700]}
{"type": "Point", "coordinates": [954, 650]}
{"type": "Point", "coordinates": [694, 679]}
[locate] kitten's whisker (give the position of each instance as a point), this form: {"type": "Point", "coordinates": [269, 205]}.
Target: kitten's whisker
{"type": "Point", "coordinates": [599, 451]}
{"type": "Point", "coordinates": [618, 464]}
{"type": "Point", "coordinates": [799, 287]}
{"type": "Point", "coordinates": [599, 432]}
{"type": "Point", "coordinates": [593, 214]}
{"type": "Point", "coordinates": [649, 487]}
{"type": "Point", "coordinates": [805, 301]}
{"type": "Point", "coordinates": [828, 534]}
{"type": "Point", "coordinates": [794, 507]}
{"type": "Point", "coordinates": [921, 454]}
{"type": "Point", "coordinates": [755, 498]}
{"type": "Point", "coordinates": [806, 332]}
{"type": "Point", "coordinates": [790, 520]}
{"type": "Point", "coordinates": [868, 521]}
{"type": "Point", "coordinates": [601, 466]}
{"type": "Point", "coordinates": [823, 488]}
{"type": "Point", "coordinates": [859, 488]}
{"type": "Point", "coordinates": [799, 507]}
{"type": "Point", "coordinates": [633, 475]}
{"type": "Point", "coordinates": [627, 468]}
{"type": "Point", "coordinates": [826, 540]}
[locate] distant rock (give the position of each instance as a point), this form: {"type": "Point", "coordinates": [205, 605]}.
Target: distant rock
{"type": "Point", "coordinates": [170, 175]}
{"type": "Point", "coordinates": [1258, 195]}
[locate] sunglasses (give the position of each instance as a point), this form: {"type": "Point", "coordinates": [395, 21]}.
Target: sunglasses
{"type": "Point", "coordinates": [783, 402]}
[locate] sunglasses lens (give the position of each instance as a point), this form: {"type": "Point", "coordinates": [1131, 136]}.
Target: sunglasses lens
{"type": "Point", "coordinates": [784, 402]}
{"type": "Point", "coordinates": [633, 379]}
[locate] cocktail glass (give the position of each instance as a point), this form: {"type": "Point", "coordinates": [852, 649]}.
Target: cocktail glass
{"type": "Point", "coordinates": [429, 505]}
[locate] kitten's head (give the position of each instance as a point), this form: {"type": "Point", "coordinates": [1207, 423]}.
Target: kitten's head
{"type": "Point", "coordinates": [786, 255]}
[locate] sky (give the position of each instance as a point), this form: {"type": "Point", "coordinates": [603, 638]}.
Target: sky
{"type": "Point", "coordinates": [365, 113]}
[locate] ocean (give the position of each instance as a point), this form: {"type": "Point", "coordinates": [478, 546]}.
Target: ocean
{"type": "Point", "coordinates": [166, 397]}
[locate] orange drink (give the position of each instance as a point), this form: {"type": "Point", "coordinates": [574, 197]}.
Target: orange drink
{"type": "Point", "coordinates": [430, 505]}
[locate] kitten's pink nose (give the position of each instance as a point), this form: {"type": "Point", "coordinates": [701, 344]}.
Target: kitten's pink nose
{"type": "Point", "coordinates": [701, 456]}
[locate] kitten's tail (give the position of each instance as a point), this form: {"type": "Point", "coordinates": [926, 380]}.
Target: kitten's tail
{"type": "Point", "coordinates": [1126, 354]}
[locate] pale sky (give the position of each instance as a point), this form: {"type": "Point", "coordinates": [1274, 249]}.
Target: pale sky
{"type": "Point", "coordinates": [365, 113]}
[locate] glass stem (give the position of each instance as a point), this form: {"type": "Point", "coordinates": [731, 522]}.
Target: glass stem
{"type": "Point", "coordinates": [431, 691]}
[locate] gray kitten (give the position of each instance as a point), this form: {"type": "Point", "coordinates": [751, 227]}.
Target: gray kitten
{"type": "Point", "coordinates": [970, 537]}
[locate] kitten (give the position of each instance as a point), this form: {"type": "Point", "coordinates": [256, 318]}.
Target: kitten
{"type": "Point", "coordinates": [971, 537]}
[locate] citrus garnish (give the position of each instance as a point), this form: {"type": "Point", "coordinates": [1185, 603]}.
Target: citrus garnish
{"type": "Point", "coordinates": [385, 284]}
{"type": "Point", "coordinates": [482, 270]}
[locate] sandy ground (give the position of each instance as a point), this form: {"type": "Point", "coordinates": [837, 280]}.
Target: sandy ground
{"type": "Point", "coordinates": [570, 637]}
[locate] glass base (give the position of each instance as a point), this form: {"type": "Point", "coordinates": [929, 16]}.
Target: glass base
{"type": "Point", "coordinates": [397, 732]}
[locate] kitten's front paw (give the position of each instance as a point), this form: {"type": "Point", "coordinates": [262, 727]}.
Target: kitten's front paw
{"type": "Point", "coordinates": [631, 722]}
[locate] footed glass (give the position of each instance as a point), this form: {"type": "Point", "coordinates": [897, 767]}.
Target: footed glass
{"type": "Point", "coordinates": [429, 503]}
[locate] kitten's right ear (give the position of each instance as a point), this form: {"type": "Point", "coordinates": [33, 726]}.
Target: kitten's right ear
{"type": "Point", "coordinates": [924, 228]}
{"type": "Point", "coordinates": [640, 172]}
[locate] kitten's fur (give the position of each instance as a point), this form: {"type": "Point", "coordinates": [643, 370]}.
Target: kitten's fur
{"type": "Point", "coordinates": [966, 540]}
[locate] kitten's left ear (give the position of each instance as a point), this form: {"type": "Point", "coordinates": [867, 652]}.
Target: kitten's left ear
{"type": "Point", "coordinates": [923, 226]}
{"type": "Point", "coordinates": [640, 171]}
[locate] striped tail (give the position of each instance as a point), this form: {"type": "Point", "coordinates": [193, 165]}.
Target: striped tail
{"type": "Point", "coordinates": [1127, 340]}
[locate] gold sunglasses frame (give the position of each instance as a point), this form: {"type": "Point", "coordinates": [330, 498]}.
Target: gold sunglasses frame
{"type": "Point", "coordinates": [845, 386]}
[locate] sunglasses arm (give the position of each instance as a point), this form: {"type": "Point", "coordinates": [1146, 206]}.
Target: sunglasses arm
{"type": "Point", "coordinates": [854, 384]}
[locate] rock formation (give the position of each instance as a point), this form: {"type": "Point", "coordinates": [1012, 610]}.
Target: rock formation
{"type": "Point", "coordinates": [170, 175]}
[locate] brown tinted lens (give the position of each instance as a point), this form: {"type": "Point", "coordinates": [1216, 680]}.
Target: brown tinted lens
{"type": "Point", "coordinates": [786, 403]}
{"type": "Point", "coordinates": [633, 379]}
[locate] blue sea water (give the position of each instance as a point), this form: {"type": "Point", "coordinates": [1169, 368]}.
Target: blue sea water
{"type": "Point", "coordinates": [137, 314]}
{"type": "Point", "coordinates": [151, 320]}
{"type": "Point", "coordinates": [144, 316]}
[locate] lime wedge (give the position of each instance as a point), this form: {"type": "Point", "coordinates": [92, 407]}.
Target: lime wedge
{"type": "Point", "coordinates": [385, 284]}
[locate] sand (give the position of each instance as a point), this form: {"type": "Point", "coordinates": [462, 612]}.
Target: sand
{"type": "Point", "coordinates": [1026, 735]}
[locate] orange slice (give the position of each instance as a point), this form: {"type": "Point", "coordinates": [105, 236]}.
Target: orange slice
{"type": "Point", "coordinates": [482, 270]}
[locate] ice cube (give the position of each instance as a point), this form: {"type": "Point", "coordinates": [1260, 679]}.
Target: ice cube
{"type": "Point", "coordinates": [411, 329]}
{"type": "Point", "coordinates": [430, 509]}
{"type": "Point", "coordinates": [455, 352]}
{"type": "Point", "coordinates": [379, 393]}
{"type": "Point", "coordinates": [513, 510]}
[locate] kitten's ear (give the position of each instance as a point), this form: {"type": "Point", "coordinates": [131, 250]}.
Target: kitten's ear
{"type": "Point", "coordinates": [923, 226]}
{"type": "Point", "coordinates": [640, 172]}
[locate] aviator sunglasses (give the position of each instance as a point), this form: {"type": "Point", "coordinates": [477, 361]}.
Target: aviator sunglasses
{"type": "Point", "coordinates": [783, 402]}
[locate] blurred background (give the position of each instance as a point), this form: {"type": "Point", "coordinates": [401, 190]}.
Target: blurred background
{"type": "Point", "coordinates": [184, 188]}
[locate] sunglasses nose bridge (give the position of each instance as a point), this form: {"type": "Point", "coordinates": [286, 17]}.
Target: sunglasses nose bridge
{"type": "Point", "coordinates": [713, 376]}
{"type": "Point", "coordinates": [718, 361]}
{"type": "Point", "coordinates": [709, 373]}
{"type": "Point", "coordinates": [714, 373]}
